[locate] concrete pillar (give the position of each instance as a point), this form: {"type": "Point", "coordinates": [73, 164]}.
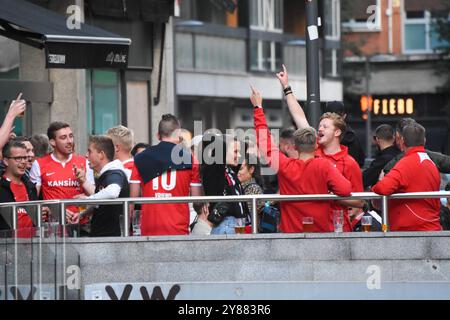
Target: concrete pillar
{"type": "Point", "coordinates": [32, 68]}
{"type": "Point", "coordinates": [137, 97]}
{"type": "Point", "coordinates": [167, 97]}
{"type": "Point", "coordinates": [69, 85]}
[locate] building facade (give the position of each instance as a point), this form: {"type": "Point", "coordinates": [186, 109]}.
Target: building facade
{"type": "Point", "coordinates": [392, 54]}
{"type": "Point", "coordinates": [222, 47]}
{"type": "Point", "coordinates": [92, 100]}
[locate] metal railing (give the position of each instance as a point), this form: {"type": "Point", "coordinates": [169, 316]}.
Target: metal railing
{"type": "Point", "coordinates": [253, 198]}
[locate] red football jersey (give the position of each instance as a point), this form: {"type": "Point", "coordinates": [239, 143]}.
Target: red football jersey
{"type": "Point", "coordinates": [171, 218]}
{"type": "Point", "coordinates": [24, 222]}
{"type": "Point", "coordinates": [57, 179]}
{"type": "Point", "coordinates": [128, 165]}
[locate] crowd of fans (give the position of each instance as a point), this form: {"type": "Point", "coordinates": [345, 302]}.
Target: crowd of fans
{"type": "Point", "coordinates": [306, 161]}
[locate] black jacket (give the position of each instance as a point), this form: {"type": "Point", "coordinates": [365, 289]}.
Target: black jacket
{"type": "Point", "coordinates": [214, 175]}
{"type": "Point", "coordinates": [371, 174]}
{"type": "Point", "coordinates": [105, 220]}
{"type": "Point", "coordinates": [445, 218]}
{"type": "Point", "coordinates": [6, 195]}
{"type": "Point", "coordinates": [351, 141]}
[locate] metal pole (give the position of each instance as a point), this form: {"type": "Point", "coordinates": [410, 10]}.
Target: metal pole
{"type": "Point", "coordinates": [126, 220]}
{"type": "Point", "coordinates": [368, 111]}
{"type": "Point", "coordinates": [254, 217]}
{"type": "Point", "coordinates": [384, 212]}
{"type": "Point", "coordinates": [16, 251]}
{"type": "Point", "coordinates": [14, 218]}
{"type": "Point", "coordinates": [312, 62]}
{"type": "Point", "coordinates": [62, 220]}
{"type": "Point", "coordinates": [39, 216]}
{"type": "Point", "coordinates": [63, 236]}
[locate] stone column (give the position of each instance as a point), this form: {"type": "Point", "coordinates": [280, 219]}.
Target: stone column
{"type": "Point", "coordinates": [32, 68]}
{"type": "Point", "coordinates": [69, 87]}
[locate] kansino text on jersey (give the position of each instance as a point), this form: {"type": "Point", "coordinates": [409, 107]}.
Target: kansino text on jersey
{"type": "Point", "coordinates": [64, 183]}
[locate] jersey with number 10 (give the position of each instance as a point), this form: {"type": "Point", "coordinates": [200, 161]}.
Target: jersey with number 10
{"type": "Point", "coordinates": [171, 218]}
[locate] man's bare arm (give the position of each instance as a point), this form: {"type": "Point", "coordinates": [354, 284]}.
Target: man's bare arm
{"type": "Point", "coordinates": [17, 107]}
{"type": "Point", "coordinates": [295, 109]}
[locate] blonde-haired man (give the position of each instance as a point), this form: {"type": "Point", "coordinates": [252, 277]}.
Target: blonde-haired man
{"type": "Point", "coordinates": [330, 132]}
{"type": "Point", "coordinates": [123, 139]}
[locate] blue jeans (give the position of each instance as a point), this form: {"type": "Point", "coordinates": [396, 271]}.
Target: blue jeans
{"type": "Point", "coordinates": [225, 227]}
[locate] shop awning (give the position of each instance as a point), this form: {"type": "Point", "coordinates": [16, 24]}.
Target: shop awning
{"type": "Point", "coordinates": [83, 47]}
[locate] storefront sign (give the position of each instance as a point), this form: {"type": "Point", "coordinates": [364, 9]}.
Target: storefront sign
{"type": "Point", "coordinates": [387, 106]}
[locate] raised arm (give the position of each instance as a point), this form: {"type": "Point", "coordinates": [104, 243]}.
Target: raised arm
{"type": "Point", "coordinates": [264, 140]}
{"type": "Point", "coordinates": [295, 109]}
{"type": "Point", "coordinates": [16, 107]}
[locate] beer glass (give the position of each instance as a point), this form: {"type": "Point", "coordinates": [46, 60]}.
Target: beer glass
{"type": "Point", "coordinates": [366, 223]}
{"type": "Point", "coordinates": [308, 224]}
{"type": "Point", "coordinates": [137, 223]}
{"type": "Point", "coordinates": [338, 220]}
{"type": "Point", "coordinates": [239, 226]}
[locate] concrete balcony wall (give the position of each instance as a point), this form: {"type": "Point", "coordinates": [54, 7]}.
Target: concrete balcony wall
{"type": "Point", "coordinates": [279, 266]}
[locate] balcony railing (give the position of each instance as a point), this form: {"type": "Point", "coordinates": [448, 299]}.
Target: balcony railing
{"type": "Point", "coordinates": [225, 50]}
{"type": "Point", "coordinates": [125, 202]}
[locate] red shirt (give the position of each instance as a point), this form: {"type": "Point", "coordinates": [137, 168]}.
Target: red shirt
{"type": "Point", "coordinates": [313, 176]}
{"type": "Point", "coordinates": [24, 222]}
{"type": "Point", "coordinates": [58, 180]}
{"type": "Point", "coordinates": [128, 165]}
{"type": "Point", "coordinates": [349, 168]}
{"type": "Point", "coordinates": [171, 218]}
{"type": "Point", "coordinates": [415, 172]}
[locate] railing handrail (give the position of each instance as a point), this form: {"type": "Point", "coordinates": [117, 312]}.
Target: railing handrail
{"type": "Point", "coordinates": [125, 202]}
{"type": "Point", "coordinates": [187, 199]}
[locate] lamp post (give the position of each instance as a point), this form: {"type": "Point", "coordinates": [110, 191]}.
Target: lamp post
{"type": "Point", "coordinates": [368, 110]}
{"type": "Point", "coordinates": [312, 62]}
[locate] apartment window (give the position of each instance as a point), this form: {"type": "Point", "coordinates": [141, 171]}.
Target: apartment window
{"type": "Point", "coordinates": [420, 34]}
{"type": "Point", "coordinates": [266, 15]}
{"type": "Point", "coordinates": [359, 16]}
{"type": "Point", "coordinates": [206, 11]}
{"type": "Point", "coordinates": [265, 55]}
{"type": "Point", "coordinates": [104, 107]}
{"type": "Point", "coordinates": [332, 13]}
{"type": "Point", "coordinates": [332, 67]}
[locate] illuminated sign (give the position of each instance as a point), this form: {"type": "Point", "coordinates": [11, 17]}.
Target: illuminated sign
{"type": "Point", "coordinates": [391, 107]}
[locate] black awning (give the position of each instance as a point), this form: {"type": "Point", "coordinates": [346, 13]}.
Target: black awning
{"type": "Point", "coordinates": [84, 47]}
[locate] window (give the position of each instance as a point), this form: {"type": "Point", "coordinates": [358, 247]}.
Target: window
{"type": "Point", "coordinates": [265, 55]}
{"type": "Point", "coordinates": [420, 33]}
{"type": "Point", "coordinates": [104, 106]}
{"type": "Point", "coordinates": [359, 16]}
{"type": "Point", "coordinates": [332, 67]}
{"type": "Point", "coordinates": [332, 17]}
{"type": "Point", "coordinates": [206, 11]}
{"type": "Point", "coordinates": [266, 15]}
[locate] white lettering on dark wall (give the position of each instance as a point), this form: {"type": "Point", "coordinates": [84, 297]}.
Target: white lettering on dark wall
{"type": "Point", "coordinates": [74, 17]}
{"type": "Point", "coordinates": [57, 58]}
{"type": "Point", "coordinates": [116, 58]}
